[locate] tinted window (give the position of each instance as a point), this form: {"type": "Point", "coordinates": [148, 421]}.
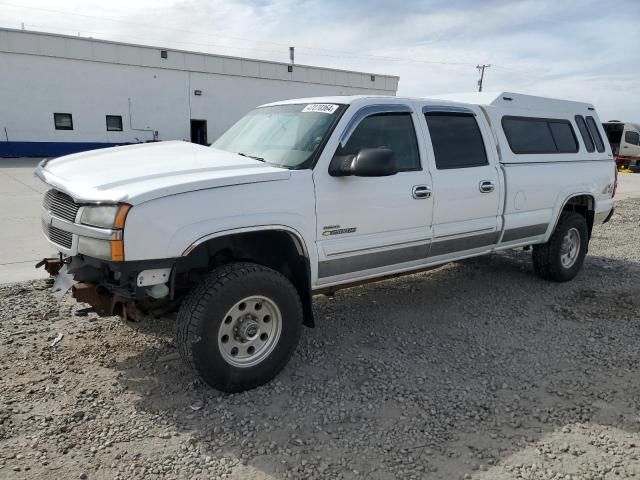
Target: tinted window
{"type": "Point", "coordinates": [595, 134]}
{"type": "Point", "coordinates": [389, 130]}
{"type": "Point", "coordinates": [632, 137]}
{"type": "Point", "coordinates": [584, 133]}
{"type": "Point", "coordinates": [539, 135]}
{"type": "Point", "coordinates": [528, 135]}
{"type": "Point", "coordinates": [63, 121]}
{"type": "Point", "coordinates": [457, 141]}
{"type": "Point", "coordinates": [562, 133]}
{"type": "Point", "coordinates": [114, 123]}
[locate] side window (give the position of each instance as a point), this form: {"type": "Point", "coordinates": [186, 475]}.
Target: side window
{"type": "Point", "coordinates": [394, 131]}
{"type": "Point", "coordinates": [530, 135]}
{"type": "Point", "coordinates": [562, 134]}
{"type": "Point", "coordinates": [456, 139]}
{"type": "Point", "coordinates": [632, 137]}
{"type": "Point", "coordinates": [595, 134]}
{"type": "Point", "coordinates": [584, 133]}
{"type": "Point", "coordinates": [63, 121]}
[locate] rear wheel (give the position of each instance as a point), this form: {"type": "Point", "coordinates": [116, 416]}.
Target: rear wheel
{"type": "Point", "coordinates": [239, 328]}
{"type": "Point", "coordinates": [561, 258]}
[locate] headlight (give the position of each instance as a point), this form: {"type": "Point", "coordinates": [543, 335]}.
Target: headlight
{"type": "Point", "coordinates": [105, 216]}
{"type": "Point", "coordinates": [94, 247]}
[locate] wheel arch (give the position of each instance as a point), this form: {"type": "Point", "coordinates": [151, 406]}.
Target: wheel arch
{"type": "Point", "coordinates": [279, 247]}
{"type": "Point", "coordinates": [583, 203]}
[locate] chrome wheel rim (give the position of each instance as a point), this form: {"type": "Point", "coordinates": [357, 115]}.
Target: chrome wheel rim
{"type": "Point", "coordinates": [249, 331]}
{"type": "Point", "coordinates": [570, 248]}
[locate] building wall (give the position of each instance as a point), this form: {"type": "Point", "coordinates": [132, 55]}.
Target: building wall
{"type": "Point", "coordinates": [46, 74]}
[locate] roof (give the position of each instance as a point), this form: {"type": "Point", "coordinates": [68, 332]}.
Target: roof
{"type": "Point", "coordinates": [515, 100]}
{"type": "Point", "coordinates": [28, 42]}
{"type": "Point", "coordinates": [501, 99]}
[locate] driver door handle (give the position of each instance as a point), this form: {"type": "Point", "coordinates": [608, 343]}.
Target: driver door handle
{"type": "Point", "coordinates": [421, 191]}
{"type": "Point", "coordinates": [487, 186]}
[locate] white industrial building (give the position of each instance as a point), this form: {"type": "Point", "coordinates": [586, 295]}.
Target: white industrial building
{"type": "Point", "coordinates": [61, 94]}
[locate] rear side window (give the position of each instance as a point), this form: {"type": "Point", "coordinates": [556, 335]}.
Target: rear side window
{"type": "Point", "coordinates": [562, 134]}
{"type": "Point", "coordinates": [584, 133]}
{"type": "Point", "coordinates": [394, 131]}
{"type": "Point", "coordinates": [632, 137]}
{"type": "Point", "coordinates": [457, 141]}
{"type": "Point", "coordinates": [595, 134]}
{"type": "Point", "coordinates": [528, 135]}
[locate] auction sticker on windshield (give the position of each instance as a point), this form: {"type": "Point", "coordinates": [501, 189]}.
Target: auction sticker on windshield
{"type": "Point", "coordinates": [320, 108]}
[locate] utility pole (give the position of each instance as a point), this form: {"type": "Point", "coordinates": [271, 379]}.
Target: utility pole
{"type": "Point", "coordinates": [481, 70]}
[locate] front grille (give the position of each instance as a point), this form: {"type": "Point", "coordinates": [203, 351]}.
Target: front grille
{"type": "Point", "coordinates": [57, 236]}
{"type": "Point", "coordinates": [60, 205]}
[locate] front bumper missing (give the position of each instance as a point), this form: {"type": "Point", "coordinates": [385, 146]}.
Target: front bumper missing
{"type": "Point", "coordinates": [105, 303]}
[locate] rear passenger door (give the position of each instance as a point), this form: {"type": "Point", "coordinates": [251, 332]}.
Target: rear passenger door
{"type": "Point", "coordinates": [466, 182]}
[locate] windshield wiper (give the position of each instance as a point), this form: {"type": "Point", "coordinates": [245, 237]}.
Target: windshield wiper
{"type": "Point", "coordinates": [260, 159]}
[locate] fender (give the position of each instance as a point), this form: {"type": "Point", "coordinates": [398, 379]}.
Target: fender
{"type": "Point", "coordinates": [557, 212]}
{"type": "Point", "coordinates": [299, 240]}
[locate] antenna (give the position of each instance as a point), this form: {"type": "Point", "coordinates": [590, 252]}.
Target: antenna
{"type": "Point", "coordinates": [481, 70]}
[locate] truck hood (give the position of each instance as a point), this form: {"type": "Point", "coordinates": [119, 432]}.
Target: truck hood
{"type": "Point", "coordinates": [142, 172]}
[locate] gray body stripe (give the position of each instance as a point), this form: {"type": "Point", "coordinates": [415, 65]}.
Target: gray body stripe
{"type": "Point", "coordinates": [464, 243]}
{"type": "Point", "coordinates": [524, 232]}
{"type": "Point", "coordinates": [385, 258]}
{"type": "Point", "coordinates": [372, 260]}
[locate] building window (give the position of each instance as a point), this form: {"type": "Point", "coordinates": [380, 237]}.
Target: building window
{"type": "Point", "coordinates": [456, 139]}
{"type": "Point", "coordinates": [63, 121]}
{"type": "Point", "coordinates": [530, 135]}
{"type": "Point", "coordinates": [114, 123]}
{"type": "Point", "coordinates": [163, 54]}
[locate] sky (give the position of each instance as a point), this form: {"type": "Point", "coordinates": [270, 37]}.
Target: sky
{"type": "Point", "coordinates": [580, 50]}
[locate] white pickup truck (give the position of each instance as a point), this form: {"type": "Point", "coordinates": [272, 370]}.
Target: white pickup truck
{"type": "Point", "coordinates": [308, 196]}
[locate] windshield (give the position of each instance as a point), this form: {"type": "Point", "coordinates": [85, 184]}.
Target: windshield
{"type": "Point", "coordinates": [282, 135]}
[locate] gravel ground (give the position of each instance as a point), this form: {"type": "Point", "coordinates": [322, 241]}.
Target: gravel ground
{"type": "Point", "coordinates": [478, 370]}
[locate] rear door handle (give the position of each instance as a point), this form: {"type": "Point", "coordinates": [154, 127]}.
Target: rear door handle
{"type": "Point", "coordinates": [487, 186]}
{"type": "Point", "coordinates": [421, 191]}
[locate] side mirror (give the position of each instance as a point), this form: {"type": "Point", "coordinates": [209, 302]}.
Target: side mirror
{"type": "Point", "coordinates": [370, 162]}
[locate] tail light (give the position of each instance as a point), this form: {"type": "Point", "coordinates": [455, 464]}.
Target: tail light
{"type": "Point", "coordinates": [615, 182]}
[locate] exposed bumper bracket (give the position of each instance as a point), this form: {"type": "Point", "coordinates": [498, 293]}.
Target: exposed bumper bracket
{"type": "Point", "coordinates": [51, 265]}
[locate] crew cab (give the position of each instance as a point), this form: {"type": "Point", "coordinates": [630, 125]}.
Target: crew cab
{"type": "Point", "coordinates": [304, 197]}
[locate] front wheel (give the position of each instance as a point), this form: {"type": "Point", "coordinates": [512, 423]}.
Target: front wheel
{"type": "Point", "coordinates": [240, 326]}
{"type": "Point", "coordinates": [561, 258]}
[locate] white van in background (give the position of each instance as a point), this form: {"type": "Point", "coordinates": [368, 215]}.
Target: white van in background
{"type": "Point", "coordinates": [625, 143]}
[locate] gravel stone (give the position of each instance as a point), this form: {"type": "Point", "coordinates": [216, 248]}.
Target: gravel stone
{"type": "Point", "coordinates": [477, 370]}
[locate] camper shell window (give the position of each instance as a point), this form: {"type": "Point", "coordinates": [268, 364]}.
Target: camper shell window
{"type": "Point", "coordinates": [530, 135]}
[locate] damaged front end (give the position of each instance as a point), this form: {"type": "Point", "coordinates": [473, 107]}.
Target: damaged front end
{"type": "Point", "coordinates": [127, 289]}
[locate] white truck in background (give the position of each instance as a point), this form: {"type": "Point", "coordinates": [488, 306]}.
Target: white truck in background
{"type": "Point", "coordinates": [624, 139]}
{"type": "Point", "coordinates": [308, 196]}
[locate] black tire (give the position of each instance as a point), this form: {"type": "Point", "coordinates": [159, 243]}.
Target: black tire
{"type": "Point", "coordinates": [204, 309]}
{"type": "Point", "coordinates": [547, 261]}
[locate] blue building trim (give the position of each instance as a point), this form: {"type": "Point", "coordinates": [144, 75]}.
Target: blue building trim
{"type": "Point", "coordinates": [49, 149]}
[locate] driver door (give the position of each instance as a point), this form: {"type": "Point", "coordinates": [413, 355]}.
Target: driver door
{"type": "Point", "coordinates": [367, 226]}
